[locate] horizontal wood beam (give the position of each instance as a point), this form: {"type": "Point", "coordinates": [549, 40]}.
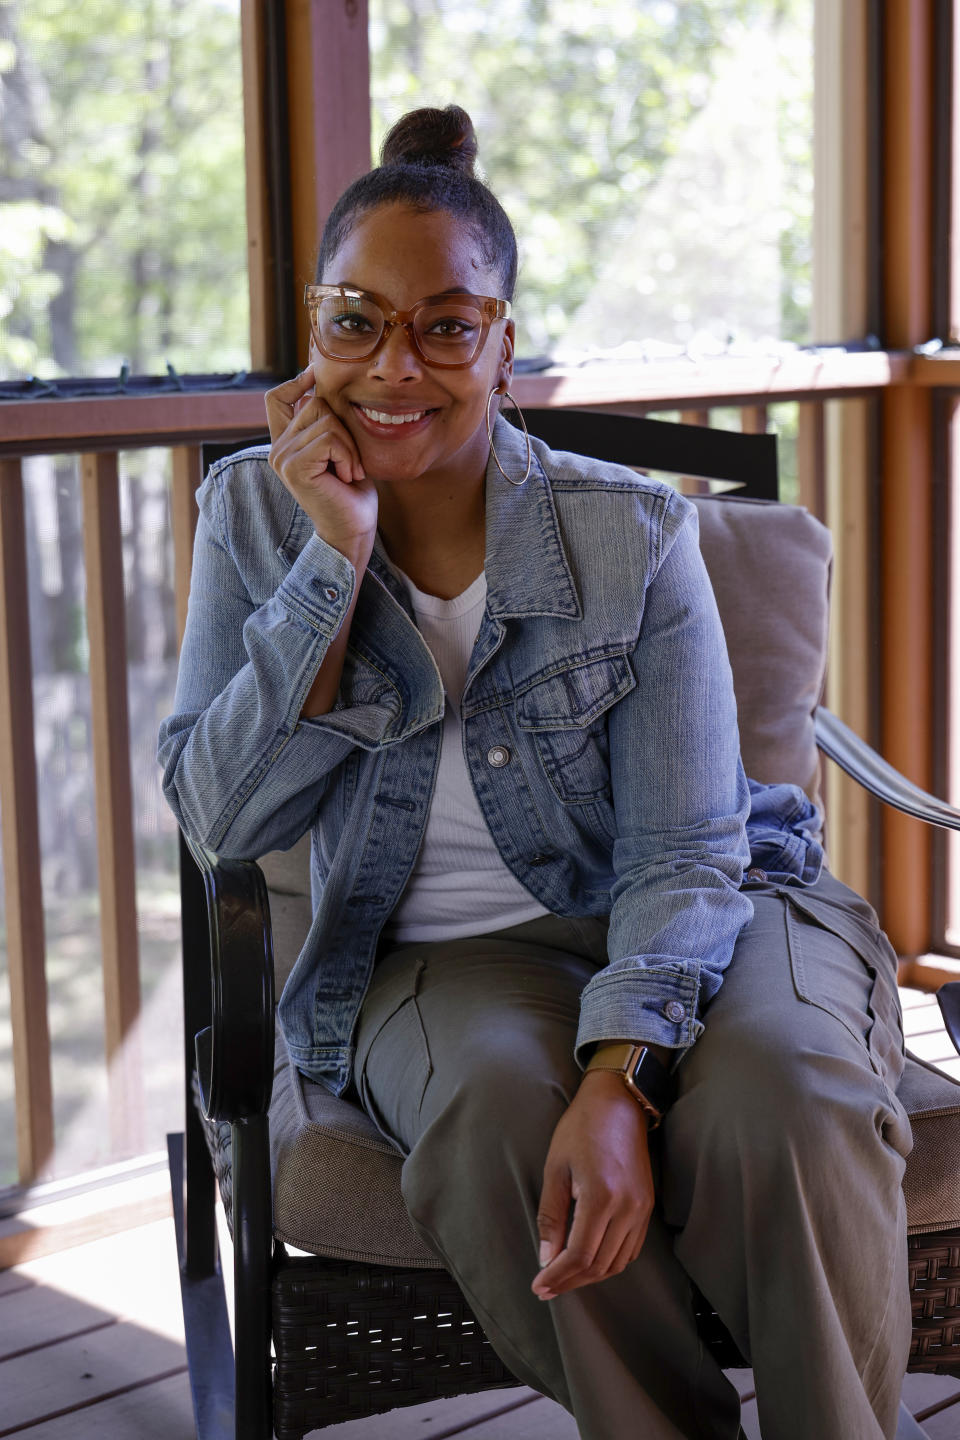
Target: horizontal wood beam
{"type": "Point", "coordinates": [45, 427]}
{"type": "Point", "coordinates": [121, 422]}
{"type": "Point", "coordinates": [942, 369]}
{"type": "Point", "coordinates": [729, 380]}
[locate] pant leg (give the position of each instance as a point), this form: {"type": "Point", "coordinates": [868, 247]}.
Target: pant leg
{"type": "Point", "coordinates": [783, 1159]}
{"type": "Point", "coordinates": [465, 1058]}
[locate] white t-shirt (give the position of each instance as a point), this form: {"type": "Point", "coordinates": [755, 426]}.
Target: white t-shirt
{"type": "Point", "coordinates": [459, 885]}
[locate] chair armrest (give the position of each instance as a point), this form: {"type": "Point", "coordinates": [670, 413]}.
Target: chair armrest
{"type": "Point", "coordinates": [948, 998]}
{"type": "Point", "coordinates": [235, 1053]}
{"type": "Point", "coordinates": [871, 771]}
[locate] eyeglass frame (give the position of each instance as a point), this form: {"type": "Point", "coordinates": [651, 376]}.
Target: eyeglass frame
{"type": "Point", "coordinates": [490, 308]}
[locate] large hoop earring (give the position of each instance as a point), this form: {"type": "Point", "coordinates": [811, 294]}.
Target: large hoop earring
{"type": "Point", "coordinates": [526, 436]}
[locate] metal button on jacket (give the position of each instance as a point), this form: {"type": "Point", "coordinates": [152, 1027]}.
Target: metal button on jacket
{"type": "Point", "coordinates": [497, 756]}
{"type": "Point", "coordinates": [754, 873]}
{"type": "Point", "coordinates": [331, 592]}
{"type": "Point", "coordinates": [675, 1011]}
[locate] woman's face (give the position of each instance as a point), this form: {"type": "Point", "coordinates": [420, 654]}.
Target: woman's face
{"type": "Point", "coordinates": [405, 255]}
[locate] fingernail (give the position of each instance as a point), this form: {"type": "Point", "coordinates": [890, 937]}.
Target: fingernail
{"type": "Point", "coordinates": [544, 1252]}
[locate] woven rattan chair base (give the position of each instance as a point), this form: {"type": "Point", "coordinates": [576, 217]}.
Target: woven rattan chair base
{"type": "Point", "coordinates": [354, 1340]}
{"type": "Point", "coordinates": [935, 1293]}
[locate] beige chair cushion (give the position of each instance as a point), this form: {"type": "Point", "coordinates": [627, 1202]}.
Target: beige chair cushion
{"type": "Point", "coordinates": [931, 1184]}
{"type": "Point", "coordinates": [770, 570]}
{"type": "Point", "coordinates": [287, 873]}
{"type": "Point", "coordinates": [337, 1181]}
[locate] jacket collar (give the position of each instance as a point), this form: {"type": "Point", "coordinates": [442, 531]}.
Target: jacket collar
{"type": "Point", "coordinates": [526, 565]}
{"type": "Point", "coordinates": [527, 568]}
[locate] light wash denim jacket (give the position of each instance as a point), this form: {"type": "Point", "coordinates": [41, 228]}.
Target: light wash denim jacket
{"type": "Point", "coordinates": [599, 676]}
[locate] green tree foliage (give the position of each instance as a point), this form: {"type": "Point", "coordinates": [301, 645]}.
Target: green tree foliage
{"type": "Point", "coordinates": [122, 224]}
{"type": "Point", "coordinates": [122, 208]}
{"type": "Point", "coordinates": [580, 105]}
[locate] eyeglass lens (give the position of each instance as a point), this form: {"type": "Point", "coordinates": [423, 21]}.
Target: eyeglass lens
{"type": "Point", "coordinates": [447, 332]}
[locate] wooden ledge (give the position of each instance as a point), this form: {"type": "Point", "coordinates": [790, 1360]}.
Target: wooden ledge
{"type": "Point", "coordinates": [97, 1210]}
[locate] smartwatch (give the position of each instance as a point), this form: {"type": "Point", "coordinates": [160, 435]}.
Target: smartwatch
{"type": "Point", "coordinates": [649, 1081]}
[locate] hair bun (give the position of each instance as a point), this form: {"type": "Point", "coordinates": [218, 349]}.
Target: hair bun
{"type": "Point", "coordinates": [432, 137]}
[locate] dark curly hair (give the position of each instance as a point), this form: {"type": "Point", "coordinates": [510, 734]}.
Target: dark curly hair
{"type": "Point", "coordinates": [427, 162]}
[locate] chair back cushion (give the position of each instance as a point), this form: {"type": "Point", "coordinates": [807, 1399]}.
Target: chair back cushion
{"type": "Point", "coordinates": [770, 570]}
{"type": "Point", "coordinates": [287, 873]}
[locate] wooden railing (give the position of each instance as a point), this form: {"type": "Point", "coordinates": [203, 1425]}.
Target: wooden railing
{"type": "Point", "coordinates": [97, 430]}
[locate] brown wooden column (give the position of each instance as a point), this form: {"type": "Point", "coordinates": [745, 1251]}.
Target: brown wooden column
{"type": "Point", "coordinates": [836, 478]}
{"type": "Point", "coordinates": [906, 498]}
{"type": "Point", "coordinates": [21, 843]}
{"type": "Point", "coordinates": [753, 419]}
{"type": "Point", "coordinates": [328, 76]}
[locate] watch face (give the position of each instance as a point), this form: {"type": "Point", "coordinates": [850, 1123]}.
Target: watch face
{"type": "Point", "coordinates": [653, 1082]}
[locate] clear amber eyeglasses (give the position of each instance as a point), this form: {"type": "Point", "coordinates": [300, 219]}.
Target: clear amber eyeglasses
{"type": "Point", "coordinates": [448, 331]}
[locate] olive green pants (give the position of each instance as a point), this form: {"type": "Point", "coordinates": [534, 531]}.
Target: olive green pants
{"type": "Point", "coordinates": [778, 1170]}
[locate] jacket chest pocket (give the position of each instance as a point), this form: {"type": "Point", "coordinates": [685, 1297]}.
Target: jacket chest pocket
{"type": "Point", "coordinates": [566, 717]}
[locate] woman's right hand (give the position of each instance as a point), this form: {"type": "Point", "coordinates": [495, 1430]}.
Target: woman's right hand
{"type": "Point", "coordinates": [317, 459]}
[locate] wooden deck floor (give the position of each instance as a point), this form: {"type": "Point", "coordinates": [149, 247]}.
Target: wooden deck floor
{"type": "Point", "coordinates": [91, 1345]}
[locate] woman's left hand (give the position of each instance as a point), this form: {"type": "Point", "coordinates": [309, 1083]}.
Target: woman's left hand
{"type": "Point", "coordinates": [599, 1161]}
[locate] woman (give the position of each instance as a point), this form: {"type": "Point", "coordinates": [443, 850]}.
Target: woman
{"type": "Point", "coordinates": [491, 680]}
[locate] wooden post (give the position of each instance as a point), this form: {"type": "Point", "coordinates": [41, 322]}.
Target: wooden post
{"type": "Point", "coordinates": [833, 459]}
{"type": "Point", "coordinates": [111, 761]}
{"type": "Point", "coordinates": [260, 257]}
{"type": "Point", "coordinates": [811, 457]}
{"type": "Point", "coordinates": [906, 509]}
{"type": "Point", "coordinates": [187, 475]}
{"type": "Point", "coordinates": [21, 844]}
{"type": "Point", "coordinates": [753, 419]}
{"type": "Point", "coordinates": [328, 75]}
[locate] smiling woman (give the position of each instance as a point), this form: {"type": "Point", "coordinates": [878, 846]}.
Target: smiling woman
{"type": "Point", "coordinates": [491, 681]}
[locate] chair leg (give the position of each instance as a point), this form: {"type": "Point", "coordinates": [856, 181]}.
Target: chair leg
{"type": "Point", "coordinates": [252, 1255]}
{"type": "Point", "coordinates": [205, 1321]}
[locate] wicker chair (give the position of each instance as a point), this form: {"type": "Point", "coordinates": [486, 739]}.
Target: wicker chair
{"type": "Point", "coordinates": [366, 1321]}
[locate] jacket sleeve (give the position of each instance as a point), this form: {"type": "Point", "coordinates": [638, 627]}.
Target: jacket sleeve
{"type": "Point", "coordinates": [681, 801]}
{"type": "Point", "coordinates": [242, 772]}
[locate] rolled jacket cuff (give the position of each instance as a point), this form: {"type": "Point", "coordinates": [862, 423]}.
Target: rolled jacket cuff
{"type": "Point", "coordinates": [319, 586]}
{"type": "Point", "coordinates": [650, 1004]}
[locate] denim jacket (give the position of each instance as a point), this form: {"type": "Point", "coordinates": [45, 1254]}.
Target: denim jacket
{"type": "Point", "coordinates": [598, 723]}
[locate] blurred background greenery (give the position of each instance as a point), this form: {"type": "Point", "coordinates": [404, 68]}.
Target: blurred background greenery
{"type": "Point", "coordinates": [655, 157]}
